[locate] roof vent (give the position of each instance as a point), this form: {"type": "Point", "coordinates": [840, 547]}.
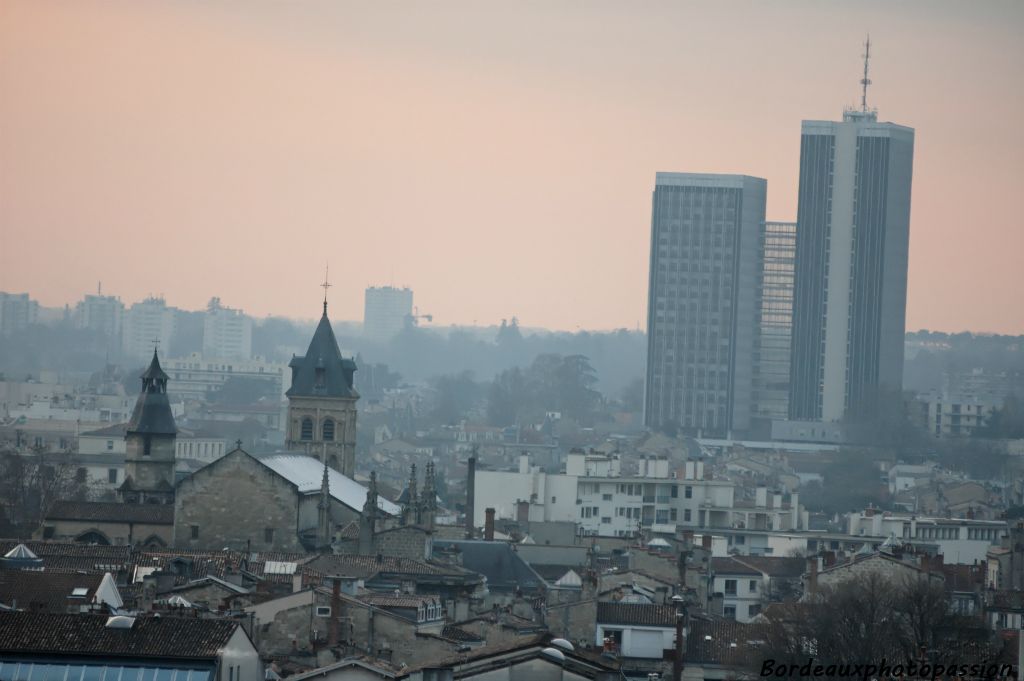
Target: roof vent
{"type": "Point", "coordinates": [563, 644]}
{"type": "Point", "coordinates": [120, 622]}
{"type": "Point", "coordinates": [554, 654]}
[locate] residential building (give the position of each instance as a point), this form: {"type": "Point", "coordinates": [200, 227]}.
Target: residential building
{"type": "Point", "coordinates": [638, 630]}
{"type": "Point", "coordinates": [945, 414]}
{"type": "Point", "coordinates": [146, 323]}
{"type": "Point", "coordinates": [770, 399]}
{"type": "Point", "coordinates": [227, 333]}
{"type": "Point", "coordinates": [386, 311]}
{"type": "Point", "coordinates": [102, 314]}
{"type": "Point", "coordinates": [748, 583]}
{"type": "Point", "coordinates": [592, 493]}
{"type": "Point", "coordinates": [959, 540]}
{"type": "Point", "coordinates": [17, 311]}
{"type": "Point", "coordinates": [850, 288]}
{"type": "Point", "coordinates": [201, 377]}
{"type": "Point", "coordinates": [703, 301]}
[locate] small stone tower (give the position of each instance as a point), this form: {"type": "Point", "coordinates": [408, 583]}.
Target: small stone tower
{"type": "Point", "coordinates": [322, 402]}
{"type": "Point", "coordinates": [149, 443]}
{"type": "Point", "coordinates": [368, 519]}
{"type": "Point", "coordinates": [411, 504]}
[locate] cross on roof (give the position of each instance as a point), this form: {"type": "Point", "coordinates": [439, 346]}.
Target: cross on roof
{"type": "Point", "coordinates": [325, 286]}
{"type": "Point", "coordinates": [238, 443]}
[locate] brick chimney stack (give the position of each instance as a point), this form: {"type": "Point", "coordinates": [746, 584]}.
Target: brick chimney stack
{"type": "Point", "coordinates": [489, 524]}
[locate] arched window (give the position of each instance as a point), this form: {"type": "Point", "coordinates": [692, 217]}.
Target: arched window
{"type": "Point", "coordinates": [307, 429]}
{"type": "Point", "coordinates": [328, 430]}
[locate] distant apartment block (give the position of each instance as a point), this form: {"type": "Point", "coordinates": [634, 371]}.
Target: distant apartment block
{"type": "Point", "coordinates": [775, 322]}
{"type": "Point", "coordinates": [386, 311]}
{"type": "Point", "coordinates": [198, 377]}
{"type": "Point", "coordinates": [102, 314]}
{"type": "Point", "coordinates": [703, 306]}
{"type": "Point", "coordinates": [593, 493]}
{"type": "Point", "coordinates": [17, 311]}
{"type": "Point", "coordinates": [945, 414]}
{"type": "Point", "coordinates": [147, 323]}
{"type": "Point", "coordinates": [227, 333]}
{"type": "Point", "coordinates": [850, 289]}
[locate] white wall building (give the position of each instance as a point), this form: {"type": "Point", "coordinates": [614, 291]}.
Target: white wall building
{"type": "Point", "coordinates": [227, 332]}
{"type": "Point", "coordinates": [386, 311]}
{"type": "Point", "coordinates": [197, 376]}
{"type": "Point", "coordinates": [145, 322]}
{"type": "Point", "coordinates": [959, 540]}
{"type": "Point", "coordinates": [103, 314]}
{"type": "Point", "coordinates": [17, 311]}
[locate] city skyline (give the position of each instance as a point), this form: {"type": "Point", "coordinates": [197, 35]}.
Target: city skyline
{"type": "Point", "coordinates": [255, 194]}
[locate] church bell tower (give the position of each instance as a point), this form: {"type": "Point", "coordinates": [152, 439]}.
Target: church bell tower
{"type": "Point", "coordinates": [149, 442]}
{"type": "Point", "coordinates": [322, 402]}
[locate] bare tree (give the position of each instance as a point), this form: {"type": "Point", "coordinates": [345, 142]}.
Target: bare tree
{"type": "Point", "coordinates": [31, 484]}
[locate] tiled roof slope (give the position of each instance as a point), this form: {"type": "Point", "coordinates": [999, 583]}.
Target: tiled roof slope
{"type": "Point", "coordinates": [88, 635]}
{"type": "Point", "coordinates": [636, 614]}
{"type": "Point", "coordinates": [112, 512]}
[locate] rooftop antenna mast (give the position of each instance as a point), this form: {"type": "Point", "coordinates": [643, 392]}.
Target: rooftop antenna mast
{"type": "Point", "coordinates": [865, 81]}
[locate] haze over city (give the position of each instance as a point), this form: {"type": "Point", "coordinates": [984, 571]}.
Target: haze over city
{"type": "Point", "coordinates": [498, 158]}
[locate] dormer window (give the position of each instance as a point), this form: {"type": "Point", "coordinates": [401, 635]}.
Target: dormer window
{"type": "Point", "coordinates": [328, 431]}
{"type": "Point", "coordinates": [306, 432]}
{"type": "Point", "coordinates": [321, 377]}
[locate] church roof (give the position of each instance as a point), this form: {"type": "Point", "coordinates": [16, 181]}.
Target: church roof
{"type": "Point", "coordinates": [322, 371]}
{"type": "Point", "coordinates": [152, 414]}
{"type": "Point", "coordinates": [306, 473]}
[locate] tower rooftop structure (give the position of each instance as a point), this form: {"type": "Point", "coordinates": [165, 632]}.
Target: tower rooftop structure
{"type": "Point", "coordinates": [322, 371]}
{"type": "Point", "coordinates": [152, 414]}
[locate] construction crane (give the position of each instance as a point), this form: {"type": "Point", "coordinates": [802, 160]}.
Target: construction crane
{"type": "Point", "coordinates": [414, 318]}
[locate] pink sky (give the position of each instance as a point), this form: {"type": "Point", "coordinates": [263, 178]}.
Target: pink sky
{"type": "Point", "coordinates": [498, 158]}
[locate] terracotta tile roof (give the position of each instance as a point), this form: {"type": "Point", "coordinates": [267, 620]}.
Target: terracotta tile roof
{"type": "Point", "coordinates": [112, 512]}
{"type": "Point", "coordinates": [723, 642]}
{"type": "Point", "coordinates": [88, 635]}
{"type": "Point", "coordinates": [636, 614]}
{"type": "Point", "coordinates": [46, 591]}
{"type": "Point", "coordinates": [732, 566]}
{"type": "Point", "coordinates": [77, 557]}
{"type": "Point", "coordinates": [368, 566]}
{"type": "Point", "coordinates": [397, 601]}
{"type": "Point", "coordinates": [456, 633]}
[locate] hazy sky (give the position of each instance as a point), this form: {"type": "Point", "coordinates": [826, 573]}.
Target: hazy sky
{"type": "Point", "coordinates": [498, 158]}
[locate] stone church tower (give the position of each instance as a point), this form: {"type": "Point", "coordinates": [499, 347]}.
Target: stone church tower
{"type": "Point", "coordinates": [149, 443]}
{"type": "Point", "coordinates": [322, 402]}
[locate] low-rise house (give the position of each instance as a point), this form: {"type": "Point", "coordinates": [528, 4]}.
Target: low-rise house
{"type": "Point", "coordinates": [742, 586]}
{"type": "Point", "coordinates": [74, 646]}
{"type": "Point", "coordinates": [58, 592]}
{"type": "Point", "coordinates": [635, 630]}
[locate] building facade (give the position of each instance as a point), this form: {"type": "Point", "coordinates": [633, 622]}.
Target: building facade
{"type": "Point", "coordinates": [703, 301]}
{"type": "Point", "coordinates": [227, 332]}
{"type": "Point", "coordinates": [17, 311]}
{"type": "Point", "coordinates": [775, 322]}
{"type": "Point", "coordinates": [145, 322]}
{"type": "Point", "coordinates": [850, 288]}
{"type": "Point", "coordinates": [102, 314]}
{"type": "Point", "coordinates": [387, 310]}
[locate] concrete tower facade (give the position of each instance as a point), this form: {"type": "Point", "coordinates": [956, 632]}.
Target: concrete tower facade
{"type": "Point", "coordinates": [850, 288]}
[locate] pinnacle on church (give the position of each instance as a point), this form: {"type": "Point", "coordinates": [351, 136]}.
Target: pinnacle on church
{"type": "Point", "coordinates": [370, 507]}
{"type": "Point", "coordinates": [325, 489]}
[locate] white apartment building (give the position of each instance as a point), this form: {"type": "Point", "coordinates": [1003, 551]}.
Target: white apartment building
{"type": "Point", "coordinates": [103, 314]}
{"type": "Point", "coordinates": [227, 332]}
{"type": "Point", "coordinates": [386, 311]}
{"type": "Point", "coordinates": [145, 322]}
{"type": "Point", "coordinates": [198, 376]}
{"type": "Point", "coordinates": [959, 540]}
{"type": "Point", "coordinates": [17, 311]}
{"type": "Point", "coordinates": [946, 414]}
{"type": "Point", "coordinates": [593, 493]}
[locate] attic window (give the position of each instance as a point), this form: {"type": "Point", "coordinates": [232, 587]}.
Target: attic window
{"type": "Point", "coordinates": [80, 592]}
{"type": "Point", "coordinates": [321, 377]}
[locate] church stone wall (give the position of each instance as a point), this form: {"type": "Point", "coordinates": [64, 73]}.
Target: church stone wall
{"type": "Point", "coordinates": [340, 451]}
{"type": "Point", "coordinates": [232, 502]}
{"type": "Point", "coordinates": [147, 471]}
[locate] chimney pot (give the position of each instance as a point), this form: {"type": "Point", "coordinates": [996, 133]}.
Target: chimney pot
{"type": "Point", "coordinates": [489, 524]}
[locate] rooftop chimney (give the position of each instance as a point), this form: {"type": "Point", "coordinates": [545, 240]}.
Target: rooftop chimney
{"type": "Point", "coordinates": [470, 497]}
{"type": "Point", "coordinates": [489, 524]}
{"type": "Point", "coordinates": [705, 541]}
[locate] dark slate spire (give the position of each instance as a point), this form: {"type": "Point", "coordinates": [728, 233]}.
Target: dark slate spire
{"type": "Point", "coordinates": [322, 372]}
{"type": "Point", "coordinates": [152, 414]}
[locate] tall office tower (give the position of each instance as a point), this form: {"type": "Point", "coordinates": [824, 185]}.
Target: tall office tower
{"type": "Point", "coordinates": [386, 312]}
{"type": "Point", "coordinates": [775, 322]}
{"type": "Point", "coordinates": [103, 314]}
{"type": "Point", "coordinates": [147, 324]}
{"type": "Point", "coordinates": [702, 301]}
{"type": "Point", "coordinates": [850, 294]}
{"type": "Point", "coordinates": [227, 333]}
